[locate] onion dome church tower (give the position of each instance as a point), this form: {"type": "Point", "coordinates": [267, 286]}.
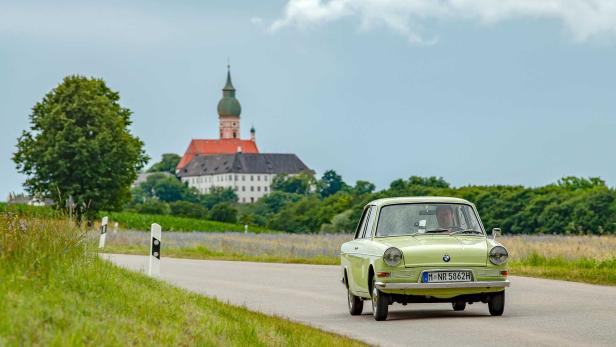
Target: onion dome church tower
{"type": "Point", "coordinates": [229, 110]}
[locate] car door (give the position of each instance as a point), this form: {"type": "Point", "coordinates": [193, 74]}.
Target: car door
{"type": "Point", "coordinates": [365, 250]}
{"type": "Point", "coordinates": [355, 256]}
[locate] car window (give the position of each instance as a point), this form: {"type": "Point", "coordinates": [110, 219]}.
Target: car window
{"type": "Point", "coordinates": [370, 224]}
{"type": "Point", "coordinates": [360, 225]}
{"type": "Point", "coordinates": [366, 222]}
{"type": "Point", "coordinates": [409, 219]}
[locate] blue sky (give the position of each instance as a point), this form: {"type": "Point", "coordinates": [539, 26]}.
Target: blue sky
{"type": "Point", "coordinates": [479, 92]}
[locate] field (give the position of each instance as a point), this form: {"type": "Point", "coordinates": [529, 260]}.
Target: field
{"type": "Point", "coordinates": [589, 259]}
{"type": "Point", "coordinates": [56, 291]}
{"type": "Point", "coordinates": [137, 221]}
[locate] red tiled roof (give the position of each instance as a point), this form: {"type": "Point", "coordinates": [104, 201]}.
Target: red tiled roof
{"type": "Point", "coordinates": [210, 147]}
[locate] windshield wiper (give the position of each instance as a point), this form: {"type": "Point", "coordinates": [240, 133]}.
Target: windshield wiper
{"type": "Point", "coordinates": [436, 231]}
{"type": "Point", "coordinates": [465, 231]}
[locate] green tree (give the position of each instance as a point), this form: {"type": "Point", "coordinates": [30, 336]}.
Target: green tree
{"type": "Point", "coordinates": [331, 183]}
{"type": "Point", "coordinates": [187, 209]}
{"type": "Point", "coordinates": [168, 163]}
{"type": "Point", "coordinates": [302, 183]}
{"type": "Point", "coordinates": [165, 188]}
{"type": "Point", "coordinates": [224, 212]}
{"type": "Point", "coordinates": [218, 195]}
{"type": "Point", "coordinates": [79, 145]}
{"type": "Point", "coordinates": [363, 187]}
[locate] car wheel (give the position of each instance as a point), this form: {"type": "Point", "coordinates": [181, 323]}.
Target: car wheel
{"type": "Point", "coordinates": [380, 303]}
{"type": "Point", "coordinates": [458, 306]}
{"type": "Point", "coordinates": [356, 304]}
{"type": "Point", "coordinates": [496, 304]}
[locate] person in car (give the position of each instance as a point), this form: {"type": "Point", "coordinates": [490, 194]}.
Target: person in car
{"type": "Point", "coordinates": [444, 216]}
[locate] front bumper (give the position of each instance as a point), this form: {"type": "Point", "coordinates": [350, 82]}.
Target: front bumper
{"type": "Point", "coordinates": [449, 285]}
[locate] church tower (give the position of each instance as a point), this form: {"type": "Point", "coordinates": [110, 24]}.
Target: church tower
{"type": "Point", "coordinates": [229, 110]}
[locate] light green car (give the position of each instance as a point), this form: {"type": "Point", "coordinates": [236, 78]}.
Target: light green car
{"type": "Point", "coordinates": [423, 249]}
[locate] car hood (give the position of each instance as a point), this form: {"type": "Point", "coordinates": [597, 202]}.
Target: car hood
{"type": "Point", "coordinates": [429, 250]}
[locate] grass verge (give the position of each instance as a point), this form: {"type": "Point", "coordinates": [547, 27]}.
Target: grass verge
{"type": "Point", "coordinates": [55, 291]}
{"type": "Point", "coordinates": [578, 270]}
{"type": "Point", "coordinates": [204, 253]}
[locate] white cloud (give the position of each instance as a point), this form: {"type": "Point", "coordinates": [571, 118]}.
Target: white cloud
{"type": "Point", "coordinates": [256, 20]}
{"type": "Point", "coordinates": [584, 19]}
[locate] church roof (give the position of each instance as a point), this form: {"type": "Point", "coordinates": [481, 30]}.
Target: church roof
{"type": "Point", "coordinates": [202, 147]}
{"type": "Point", "coordinates": [262, 163]}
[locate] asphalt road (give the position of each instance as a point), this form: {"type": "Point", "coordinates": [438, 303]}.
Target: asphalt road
{"type": "Point", "coordinates": [538, 312]}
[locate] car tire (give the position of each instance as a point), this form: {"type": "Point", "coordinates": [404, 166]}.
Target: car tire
{"type": "Point", "coordinates": [380, 303]}
{"type": "Point", "coordinates": [496, 304]}
{"type": "Point", "coordinates": [458, 306]}
{"type": "Point", "coordinates": [356, 304]}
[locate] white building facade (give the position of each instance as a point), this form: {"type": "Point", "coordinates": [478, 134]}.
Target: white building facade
{"type": "Point", "coordinates": [250, 175]}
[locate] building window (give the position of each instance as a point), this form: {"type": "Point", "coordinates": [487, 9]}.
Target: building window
{"type": "Point", "coordinates": [243, 199]}
{"type": "Point", "coordinates": [259, 189]}
{"type": "Point", "coordinates": [235, 188]}
{"type": "Point", "coordinates": [243, 188]}
{"type": "Point", "coordinates": [252, 178]}
{"type": "Point", "coordinates": [252, 188]}
{"type": "Point", "coordinates": [265, 189]}
{"type": "Point", "coordinates": [258, 177]}
{"type": "Point", "coordinates": [243, 178]}
{"type": "Point", "coordinates": [236, 178]}
{"type": "Point", "coordinates": [265, 177]}
{"type": "Point", "coordinates": [252, 199]}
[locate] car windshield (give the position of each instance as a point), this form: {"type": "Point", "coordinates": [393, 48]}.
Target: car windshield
{"type": "Point", "coordinates": [411, 219]}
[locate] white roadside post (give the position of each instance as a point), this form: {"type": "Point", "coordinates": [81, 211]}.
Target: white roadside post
{"type": "Point", "coordinates": [245, 228]}
{"type": "Point", "coordinates": [154, 264]}
{"type": "Point", "coordinates": [115, 227]}
{"type": "Point", "coordinates": [101, 241]}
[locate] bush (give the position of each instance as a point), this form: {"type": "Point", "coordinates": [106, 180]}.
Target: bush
{"type": "Point", "coordinates": [224, 213]}
{"type": "Point", "coordinates": [187, 209]}
{"type": "Point", "coordinates": [153, 207]}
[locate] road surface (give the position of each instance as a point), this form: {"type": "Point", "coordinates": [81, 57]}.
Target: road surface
{"type": "Point", "coordinates": [538, 312]}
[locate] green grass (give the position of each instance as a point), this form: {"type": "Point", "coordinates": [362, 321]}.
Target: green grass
{"type": "Point", "coordinates": [578, 270]}
{"type": "Point", "coordinates": [201, 252]}
{"type": "Point", "coordinates": [137, 221]}
{"type": "Point", "coordinates": [54, 290]}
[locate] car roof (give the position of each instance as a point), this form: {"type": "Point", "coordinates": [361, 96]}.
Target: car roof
{"type": "Point", "coordinates": [420, 200]}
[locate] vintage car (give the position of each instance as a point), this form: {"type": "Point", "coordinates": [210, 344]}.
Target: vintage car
{"type": "Point", "coordinates": [423, 249]}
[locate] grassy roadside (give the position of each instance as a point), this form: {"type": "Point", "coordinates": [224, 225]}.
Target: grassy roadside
{"type": "Point", "coordinates": [578, 270]}
{"type": "Point", "coordinates": [54, 290]}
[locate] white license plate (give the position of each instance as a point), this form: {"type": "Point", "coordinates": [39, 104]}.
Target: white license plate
{"type": "Point", "coordinates": [447, 276]}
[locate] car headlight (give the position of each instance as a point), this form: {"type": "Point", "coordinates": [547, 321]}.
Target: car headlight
{"type": "Point", "coordinates": [392, 256]}
{"type": "Point", "coordinates": [498, 255]}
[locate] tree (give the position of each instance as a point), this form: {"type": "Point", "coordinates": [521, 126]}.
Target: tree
{"type": "Point", "coordinates": [79, 145]}
{"type": "Point", "coordinates": [168, 163]}
{"type": "Point", "coordinates": [302, 183]}
{"type": "Point", "coordinates": [187, 209]}
{"type": "Point", "coordinates": [218, 195]}
{"type": "Point", "coordinates": [363, 187]}
{"type": "Point", "coordinates": [224, 213]}
{"type": "Point", "coordinates": [331, 183]}
{"type": "Point", "coordinates": [165, 188]}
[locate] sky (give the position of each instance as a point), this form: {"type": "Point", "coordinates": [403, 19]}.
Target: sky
{"type": "Point", "coordinates": [476, 91]}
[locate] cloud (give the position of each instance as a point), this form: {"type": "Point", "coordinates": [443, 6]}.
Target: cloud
{"type": "Point", "coordinates": [583, 19]}
{"type": "Point", "coordinates": [256, 20]}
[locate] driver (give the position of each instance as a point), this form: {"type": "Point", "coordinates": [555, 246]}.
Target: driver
{"type": "Point", "coordinates": [444, 216]}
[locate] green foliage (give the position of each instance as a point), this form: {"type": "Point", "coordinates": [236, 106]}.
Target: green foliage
{"type": "Point", "coordinates": [224, 212]}
{"type": "Point", "coordinates": [79, 145]}
{"type": "Point", "coordinates": [164, 187]}
{"type": "Point", "coordinates": [153, 207]}
{"type": "Point", "coordinates": [331, 183]}
{"type": "Point", "coordinates": [218, 195]}
{"type": "Point", "coordinates": [167, 163]}
{"type": "Point", "coordinates": [140, 221]}
{"type": "Point", "coordinates": [302, 183]}
{"type": "Point", "coordinates": [188, 209]}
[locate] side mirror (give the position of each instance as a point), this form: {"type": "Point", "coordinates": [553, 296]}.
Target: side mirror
{"type": "Point", "coordinates": [496, 232]}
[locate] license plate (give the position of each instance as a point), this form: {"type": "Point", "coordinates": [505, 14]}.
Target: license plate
{"type": "Point", "coordinates": [447, 276]}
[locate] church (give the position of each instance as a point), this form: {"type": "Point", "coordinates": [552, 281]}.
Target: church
{"type": "Point", "coordinates": [231, 162]}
